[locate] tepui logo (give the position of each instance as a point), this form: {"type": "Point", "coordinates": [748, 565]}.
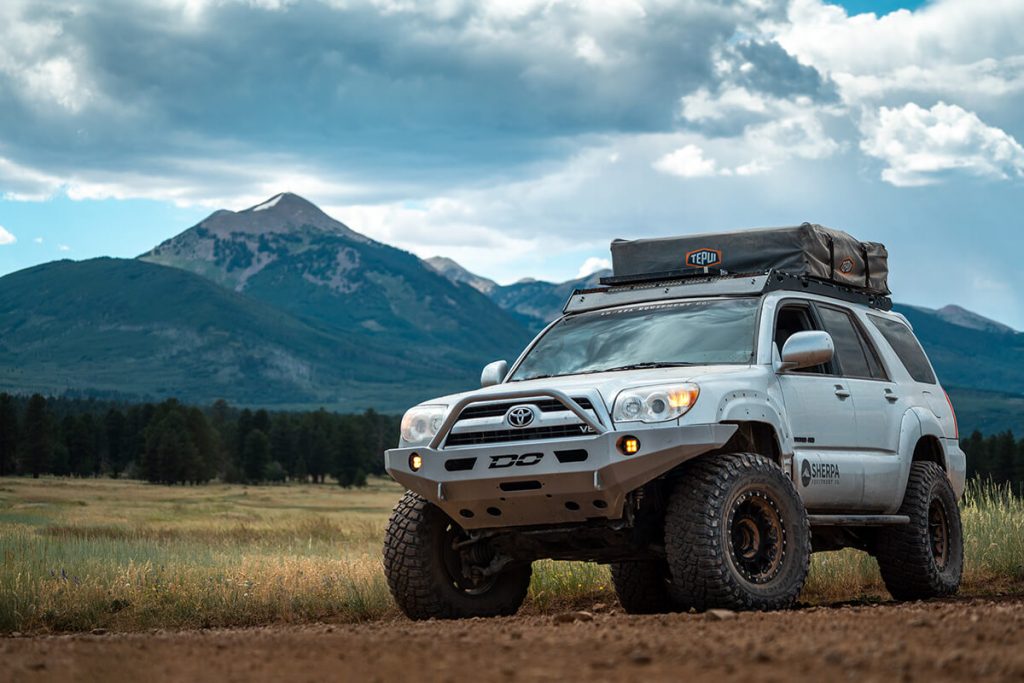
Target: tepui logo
{"type": "Point", "coordinates": [703, 258]}
{"type": "Point", "coordinates": [846, 267]}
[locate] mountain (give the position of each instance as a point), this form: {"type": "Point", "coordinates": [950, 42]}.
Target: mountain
{"type": "Point", "coordinates": [537, 302]}
{"type": "Point", "coordinates": [456, 273]}
{"type": "Point", "coordinates": [289, 254]}
{"type": "Point", "coordinates": [131, 328]}
{"type": "Point", "coordinates": [956, 315]}
{"type": "Point", "coordinates": [280, 305]}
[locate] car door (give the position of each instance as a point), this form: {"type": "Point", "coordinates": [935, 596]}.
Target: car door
{"type": "Point", "coordinates": [821, 415]}
{"type": "Point", "coordinates": [877, 405]}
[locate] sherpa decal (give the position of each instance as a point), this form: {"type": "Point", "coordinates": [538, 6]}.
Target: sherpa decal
{"type": "Point", "coordinates": [703, 258]}
{"type": "Point", "coordinates": [819, 473]}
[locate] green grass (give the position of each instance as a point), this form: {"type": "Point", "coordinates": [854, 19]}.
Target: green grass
{"type": "Point", "coordinates": [78, 555]}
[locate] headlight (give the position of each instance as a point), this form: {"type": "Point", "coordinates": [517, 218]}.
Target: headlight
{"type": "Point", "coordinates": [655, 404]}
{"type": "Point", "coordinates": [420, 424]}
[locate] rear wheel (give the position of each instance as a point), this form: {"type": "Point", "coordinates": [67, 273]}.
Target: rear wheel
{"type": "Point", "coordinates": [923, 559]}
{"type": "Point", "coordinates": [434, 570]}
{"type": "Point", "coordinates": [736, 535]}
{"type": "Point", "coordinates": [642, 587]}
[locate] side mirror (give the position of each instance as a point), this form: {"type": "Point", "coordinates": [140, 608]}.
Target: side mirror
{"type": "Point", "coordinates": [805, 350]}
{"type": "Point", "coordinates": [493, 373]}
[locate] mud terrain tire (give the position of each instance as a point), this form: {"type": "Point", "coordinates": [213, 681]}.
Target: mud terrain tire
{"type": "Point", "coordinates": [419, 565]}
{"type": "Point", "coordinates": [923, 559]}
{"type": "Point", "coordinates": [642, 587]}
{"type": "Point", "coordinates": [736, 535]}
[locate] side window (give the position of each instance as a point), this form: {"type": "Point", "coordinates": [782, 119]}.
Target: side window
{"type": "Point", "coordinates": [906, 346]}
{"type": "Point", "coordinates": [845, 336]}
{"type": "Point", "coordinates": [797, 318]}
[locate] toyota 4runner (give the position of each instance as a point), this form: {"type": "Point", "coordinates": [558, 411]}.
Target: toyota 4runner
{"type": "Point", "coordinates": [699, 430]}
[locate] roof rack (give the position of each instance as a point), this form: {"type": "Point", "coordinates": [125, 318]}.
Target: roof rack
{"type": "Point", "coordinates": [704, 285]}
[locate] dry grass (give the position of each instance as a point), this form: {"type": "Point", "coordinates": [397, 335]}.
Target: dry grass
{"type": "Point", "coordinates": [78, 555]}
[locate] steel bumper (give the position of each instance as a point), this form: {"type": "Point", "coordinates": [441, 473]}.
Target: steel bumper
{"type": "Point", "coordinates": [547, 482]}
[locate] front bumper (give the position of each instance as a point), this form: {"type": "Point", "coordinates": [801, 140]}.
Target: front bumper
{"type": "Point", "coordinates": [548, 482]}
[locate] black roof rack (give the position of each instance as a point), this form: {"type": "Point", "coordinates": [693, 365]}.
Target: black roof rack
{"type": "Point", "coordinates": [622, 291]}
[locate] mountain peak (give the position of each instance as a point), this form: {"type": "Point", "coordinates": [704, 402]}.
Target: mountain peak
{"type": "Point", "coordinates": [958, 315]}
{"type": "Point", "coordinates": [450, 269]}
{"type": "Point", "coordinates": [285, 202]}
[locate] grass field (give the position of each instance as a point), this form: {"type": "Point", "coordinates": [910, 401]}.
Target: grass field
{"type": "Point", "coordinates": [84, 554]}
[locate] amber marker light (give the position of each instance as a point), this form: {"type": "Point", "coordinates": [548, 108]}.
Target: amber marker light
{"type": "Point", "coordinates": [629, 445]}
{"type": "Point", "coordinates": [683, 398]}
{"type": "Point", "coordinates": [415, 462]}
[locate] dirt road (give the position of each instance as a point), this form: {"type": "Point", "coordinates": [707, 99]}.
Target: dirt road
{"type": "Point", "coordinates": [968, 639]}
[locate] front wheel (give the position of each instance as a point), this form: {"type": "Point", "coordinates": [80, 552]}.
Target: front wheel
{"type": "Point", "coordinates": [736, 535]}
{"type": "Point", "coordinates": [923, 559]}
{"type": "Point", "coordinates": [434, 570]}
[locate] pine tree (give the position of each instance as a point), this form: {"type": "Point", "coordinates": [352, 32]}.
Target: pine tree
{"type": "Point", "coordinates": [255, 455]}
{"type": "Point", "coordinates": [38, 450]}
{"type": "Point", "coordinates": [9, 435]}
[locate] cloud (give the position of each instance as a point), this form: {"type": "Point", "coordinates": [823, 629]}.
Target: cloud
{"type": "Point", "coordinates": [946, 48]}
{"type": "Point", "coordinates": [687, 162]}
{"type": "Point", "coordinates": [923, 146]}
{"type": "Point", "coordinates": [6, 237]}
{"type": "Point", "coordinates": [63, 247]}
{"type": "Point", "coordinates": [38, 240]}
{"type": "Point", "coordinates": [592, 265]}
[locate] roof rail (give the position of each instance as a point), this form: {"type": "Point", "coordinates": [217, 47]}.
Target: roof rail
{"type": "Point", "coordinates": [703, 286]}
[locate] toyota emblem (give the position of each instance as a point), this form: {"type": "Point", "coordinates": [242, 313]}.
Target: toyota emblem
{"type": "Point", "coordinates": [519, 416]}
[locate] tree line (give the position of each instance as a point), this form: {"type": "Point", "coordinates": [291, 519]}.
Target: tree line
{"type": "Point", "coordinates": [999, 457]}
{"type": "Point", "coordinates": [173, 443]}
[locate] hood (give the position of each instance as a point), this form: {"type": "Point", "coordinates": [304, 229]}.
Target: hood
{"type": "Point", "coordinates": [606, 384]}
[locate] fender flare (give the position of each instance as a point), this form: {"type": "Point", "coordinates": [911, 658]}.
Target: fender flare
{"type": "Point", "coordinates": [917, 423]}
{"type": "Point", "coordinates": [749, 405]}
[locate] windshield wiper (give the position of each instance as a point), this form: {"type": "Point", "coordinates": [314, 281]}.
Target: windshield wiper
{"type": "Point", "coordinates": [645, 366]}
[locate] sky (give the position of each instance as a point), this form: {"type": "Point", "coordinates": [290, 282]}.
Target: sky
{"type": "Point", "coordinates": [520, 136]}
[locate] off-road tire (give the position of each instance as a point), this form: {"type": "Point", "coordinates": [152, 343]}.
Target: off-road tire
{"type": "Point", "coordinates": [642, 587]}
{"type": "Point", "coordinates": [700, 526]}
{"type": "Point", "coordinates": [906, 554]}
{"type": "Point", "coordinates": [417, 575]}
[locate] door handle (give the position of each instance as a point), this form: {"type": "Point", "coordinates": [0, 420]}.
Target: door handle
{"type": "Point", "coordinates": [841, 392]}
{"type": "Point", "coordinates": [891, 397]}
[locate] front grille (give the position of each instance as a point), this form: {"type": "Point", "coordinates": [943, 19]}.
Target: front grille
{"type": "Point", "coordinates": [508, 435]}
{"type": "Point", "coordinates": [548, 405]}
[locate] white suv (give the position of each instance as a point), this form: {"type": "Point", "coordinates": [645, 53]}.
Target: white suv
{"type": "Point", "coordinates": [701, 435]}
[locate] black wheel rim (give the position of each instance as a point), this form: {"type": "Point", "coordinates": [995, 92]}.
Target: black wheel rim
{"type": "Point", "coordinates": [757, 536]}
{"type": "Point", "coordinates": [456, 562]}
{"type": "Point", "coordinates": [938, 533]}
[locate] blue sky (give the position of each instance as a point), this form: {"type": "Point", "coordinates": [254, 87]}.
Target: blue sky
{"type": "Point", "coordinates": [520, 136]}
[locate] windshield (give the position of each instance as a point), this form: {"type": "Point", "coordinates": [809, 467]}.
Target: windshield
{"type": "Point", "coordinates": [647, 335]}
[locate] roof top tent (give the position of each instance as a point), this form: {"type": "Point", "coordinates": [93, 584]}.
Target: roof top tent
{"type": "Point", "coordinates": [803, 258]}
{"type": "Point", "coordinates": [807, 250]}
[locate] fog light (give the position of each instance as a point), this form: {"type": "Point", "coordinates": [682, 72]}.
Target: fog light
{"type": "Point", "coordinates": [415, 462]}
{"type": "Point", "coordinates": [629, 445]}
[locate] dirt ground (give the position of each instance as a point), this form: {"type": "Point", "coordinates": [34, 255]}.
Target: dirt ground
{"type": "Point", "coordinates": [964, 639]}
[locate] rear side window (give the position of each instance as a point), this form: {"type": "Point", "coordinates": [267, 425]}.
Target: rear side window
{"type": "Point", "coordinates": [849, 351]}
{"type": "Point", "coordinates": [906, 346]}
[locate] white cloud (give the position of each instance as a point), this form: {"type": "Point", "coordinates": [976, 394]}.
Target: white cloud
{"type": "Point", "coordinates": [592, 265]}
{"type": "Point", "coordinates": [38, 240]}
{"type": "Point", "coordinates": [945, 47]}
{"type": "Point", "coordinates": [63, 247]}
{"type": "Point", "coordinates": [6, 237]}
{"type": "Point", "coordinates": [920, 145]}
{"type": "Point", "coordinates": [702, 105]}
{"type": "Point", "coordinates": [687, 162]}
